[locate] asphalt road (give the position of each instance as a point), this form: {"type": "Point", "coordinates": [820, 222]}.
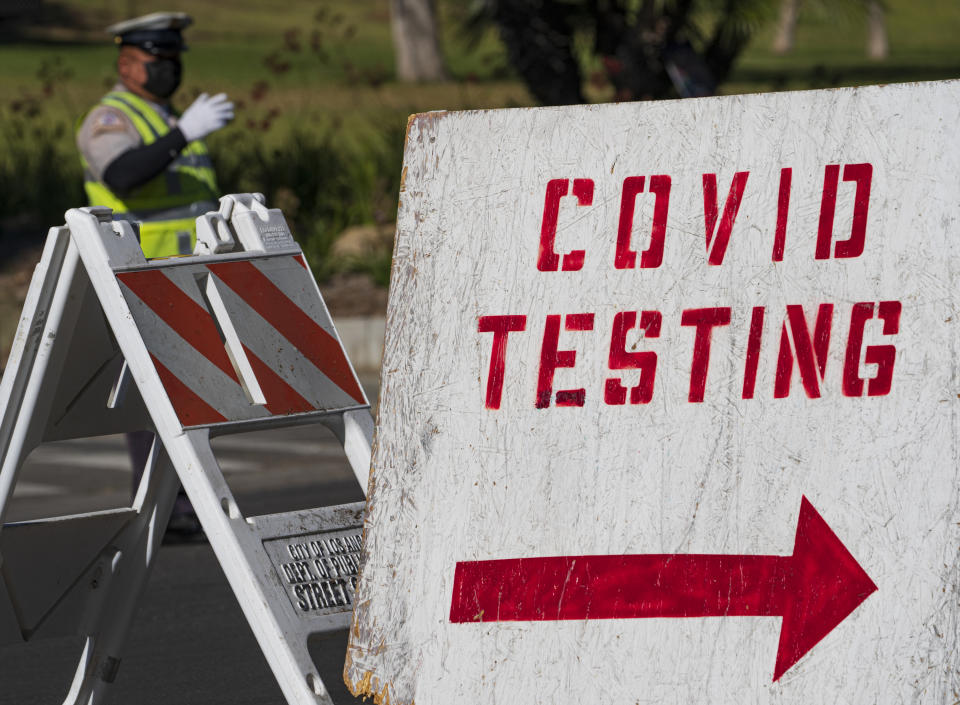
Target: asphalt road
{"type": "Point", "coordinates": [189, 642]}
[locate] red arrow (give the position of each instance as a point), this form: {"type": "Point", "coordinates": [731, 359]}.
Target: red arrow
{"type": "Point", "coordinates": [813, 590]}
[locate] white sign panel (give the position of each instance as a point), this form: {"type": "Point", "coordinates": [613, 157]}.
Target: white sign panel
{"type": "Point", "coordinates": [669, 407]}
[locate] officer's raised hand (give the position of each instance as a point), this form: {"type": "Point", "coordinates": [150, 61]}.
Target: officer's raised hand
{"type": "Point", "coordinates": [205, 115]}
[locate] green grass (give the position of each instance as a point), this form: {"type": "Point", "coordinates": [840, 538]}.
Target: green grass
{"type": "Point", "coordinates": [329, 86]}
{"type": "Point", "coordinates": [349, 65]}
{"type": "Point", "coordinates": [327, 94]}
{"type": "Point", "coordinates": [323, 137]}
{"type": "Point", "coordinates": [318, 39]}
{"type": "Point", "coordinates": [830, 48]}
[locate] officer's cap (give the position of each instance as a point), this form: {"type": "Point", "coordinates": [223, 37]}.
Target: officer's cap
{"type": "Point", "coordinates": [157, 33]}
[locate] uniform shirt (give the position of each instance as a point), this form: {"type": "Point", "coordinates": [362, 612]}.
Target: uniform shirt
{"type": "Point", "coordinates": [106, 133]}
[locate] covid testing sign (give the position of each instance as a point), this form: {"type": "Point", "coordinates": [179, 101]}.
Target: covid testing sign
{"type": "Point", "coordinates": [669, 407]}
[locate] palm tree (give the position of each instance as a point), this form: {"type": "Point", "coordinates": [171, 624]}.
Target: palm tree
{"type": "Point", "coordinates": [415, 44]}
{"type": "Point", "coordinates": [877, 45]}
{"type": "Point", "coordinates": [786, 26]}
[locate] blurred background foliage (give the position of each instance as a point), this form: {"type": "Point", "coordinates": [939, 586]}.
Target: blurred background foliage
{"type": "Point", "coordinates": [321, 116]}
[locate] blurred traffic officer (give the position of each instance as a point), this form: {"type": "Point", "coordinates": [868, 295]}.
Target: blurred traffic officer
{"type": "Point", "coordinates": [148, 163]}
{"type": "Point", "coordinates": [140, 157]}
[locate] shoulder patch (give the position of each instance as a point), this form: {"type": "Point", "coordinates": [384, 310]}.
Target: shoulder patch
{"type": "Point", "coordinates": [109, 120]}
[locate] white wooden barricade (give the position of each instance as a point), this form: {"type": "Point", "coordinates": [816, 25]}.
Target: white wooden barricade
{"type": "Point", "coordinates": [670, 406]}
{"type": "Point", "coordinates": [234, 338]}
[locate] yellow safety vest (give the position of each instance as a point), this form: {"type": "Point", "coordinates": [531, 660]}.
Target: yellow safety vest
{"type": "Point", "coordinates": [168, 204]}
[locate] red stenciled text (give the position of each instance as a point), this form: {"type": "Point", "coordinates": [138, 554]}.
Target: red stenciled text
{"type": "Point", "coordinates": [803, 333]}
{"type": "Point", "coordinates": [803, 337]}
{"type": "Point", "coordinates": [719, 217]}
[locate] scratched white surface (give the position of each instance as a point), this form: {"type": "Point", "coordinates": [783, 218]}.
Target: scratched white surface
{"type": "Point", "coordinates": [454, 481]}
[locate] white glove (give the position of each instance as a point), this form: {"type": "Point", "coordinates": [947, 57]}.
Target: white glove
{"type": "Point", "coordinates": [205, 115]}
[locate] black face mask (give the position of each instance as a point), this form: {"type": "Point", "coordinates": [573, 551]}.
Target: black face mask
{"type": "Point", "coordinates": [163, 77]}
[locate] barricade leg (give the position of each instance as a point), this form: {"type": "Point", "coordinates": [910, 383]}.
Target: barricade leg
{"type": "Point", "coordinates": [22, 393]}
{"type": "Point", "coordinates": [239, 549]}
{"type": "Point", "coordinates": [354, 430]}
{"type": "Point", "coordinates": [131, 566]}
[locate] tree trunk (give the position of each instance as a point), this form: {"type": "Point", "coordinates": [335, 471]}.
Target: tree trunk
{"type": "Point", "coordinates": [415, 43]}
{"type": "Point", "coordinates": [786, 27]}
{"type": "Point", "coordinates": [877, 46]}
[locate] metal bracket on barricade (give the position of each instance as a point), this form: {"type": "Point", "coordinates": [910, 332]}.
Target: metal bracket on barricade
{"type": "Point", "coordinates": [234, 338]}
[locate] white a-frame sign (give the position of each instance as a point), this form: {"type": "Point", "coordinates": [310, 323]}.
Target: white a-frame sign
{"type": "Point", "coordinates": [232, 339]}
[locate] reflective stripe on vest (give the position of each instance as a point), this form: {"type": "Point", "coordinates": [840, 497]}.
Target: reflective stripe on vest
{"type": "Point", "coordinates": [187, 179]}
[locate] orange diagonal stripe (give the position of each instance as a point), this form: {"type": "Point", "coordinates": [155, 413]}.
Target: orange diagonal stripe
{"type": "Point", "coordinates": [191, 321]}
{"type": "Point", "coordinates": [313, 342]}
{"type": "Point", "coordinates": [190, 408]}
{"type": "Point", "coordinates": [282, 399]}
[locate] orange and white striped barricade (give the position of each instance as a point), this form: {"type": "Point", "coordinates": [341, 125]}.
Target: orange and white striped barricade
{"type": "Point", "coordinates": [232, 339]}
